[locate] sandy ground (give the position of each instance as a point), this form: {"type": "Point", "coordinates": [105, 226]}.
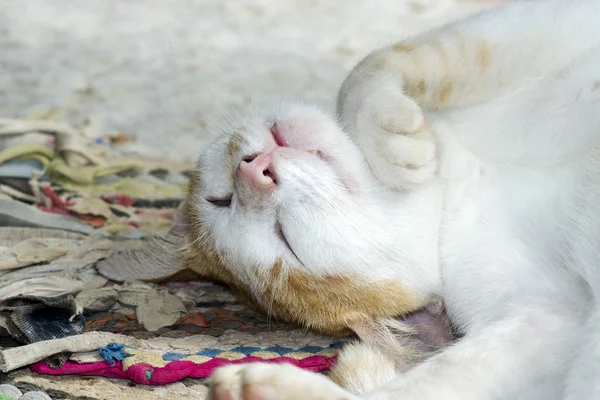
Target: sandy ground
{"type": "Point", "coordinates": [168, 70]}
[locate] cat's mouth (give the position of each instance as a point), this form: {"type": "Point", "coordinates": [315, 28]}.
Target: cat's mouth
{"type": "Point", "coordinates": [278, 137]}
{"type": "Point", "coordinates": [259, 168]}
{"type": "Point", "coordinates": [281, 235]}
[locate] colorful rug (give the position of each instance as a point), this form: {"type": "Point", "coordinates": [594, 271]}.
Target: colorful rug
{"type": "Point", "coordinates": [211, 310]}
{"type": "Point", "coordinates": [149, 368]}
{"type": "Point", "coordinates": [216, 330]}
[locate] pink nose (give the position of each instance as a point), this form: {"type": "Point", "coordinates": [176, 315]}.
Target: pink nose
{"type": "Point", "coordinates": [256, 171]}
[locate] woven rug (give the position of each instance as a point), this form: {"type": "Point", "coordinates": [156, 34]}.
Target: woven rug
{"type": "Point", "coordinates": [217, 330]}
{"type": "Point", "coordinates": [150, 368]}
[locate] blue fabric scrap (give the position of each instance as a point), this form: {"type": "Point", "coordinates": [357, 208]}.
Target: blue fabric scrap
{"type": "Point", "coordinates": [113, 352]}
{"type": "Point", "coordinates": [23, 169]}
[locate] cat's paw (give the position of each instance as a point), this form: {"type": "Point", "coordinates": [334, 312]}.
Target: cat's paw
{"type": "Point", "coordinates": [395, 138]}
{"type": "Point", "coordinates": [361, 367]}
{"type": "Point", "coordinates": [262, 381]}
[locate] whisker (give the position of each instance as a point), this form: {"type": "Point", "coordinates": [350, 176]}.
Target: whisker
{"type": "Point", "coordinates": [372, 239]}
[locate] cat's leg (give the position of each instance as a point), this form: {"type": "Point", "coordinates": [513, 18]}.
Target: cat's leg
{"type": "Point", "coordinates": [498, 361]}
{"type": "Point", "coordinates": [461, 64]}
{"type": "Point", "coordinates": [551, 120]}
{"type": "Point", "coordinates": [495, 362]}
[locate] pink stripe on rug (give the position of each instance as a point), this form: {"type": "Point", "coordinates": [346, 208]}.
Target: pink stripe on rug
{"type": "Point", "coordinates": [174, 371]}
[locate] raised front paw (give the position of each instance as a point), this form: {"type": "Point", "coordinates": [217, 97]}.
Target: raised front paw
{"type": "Point", "coordinates": [395, 138]}
{"type": "Point", "coordinates": [262, 381]}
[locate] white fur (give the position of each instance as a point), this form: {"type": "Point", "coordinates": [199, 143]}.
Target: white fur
{"type": "Point", "coordinates": [362, 367]}
{"type": "Point", "coordinates": [501, 214]}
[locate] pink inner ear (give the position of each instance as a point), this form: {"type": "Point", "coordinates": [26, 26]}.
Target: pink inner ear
{"type": "Point", "coordinates": [279, 139]}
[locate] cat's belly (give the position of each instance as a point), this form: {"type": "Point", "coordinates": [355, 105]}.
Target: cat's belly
{"type": "Point", "coordinates": [511, 244]}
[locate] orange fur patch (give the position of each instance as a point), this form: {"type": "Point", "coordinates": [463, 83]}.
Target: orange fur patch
{"type": "Point", "coordinates": [403, 47]}
{"type": "Point", "coordinates": [415, 91]}
{"type": "Point", "coordinates": [445, 84]}
{"type": "Point", "coordinates": [442, 54]}
{"type": "Point", "coordinates": [421, 87]}
{"type": "Point", "coordinates": [333, 303]}
{"type": "Point", "coordinates": [483, 56]}
{"type": "Point", "coordinates": [445, 91]}
{"type": "Point", "coordinates": [233, 149]}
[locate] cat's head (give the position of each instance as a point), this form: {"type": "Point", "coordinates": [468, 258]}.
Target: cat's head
{"type": "Point", "coordinates": [283, 208]}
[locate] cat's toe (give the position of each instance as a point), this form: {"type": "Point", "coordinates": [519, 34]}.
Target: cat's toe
{"type": "Point", "coordinates": [396, 140]}
{"type": "Point", "coordinates": [226, 383]}
{"type": "Point", "coordinates": [262, 381]}
{"type": "Point", "coordinates": [402, 161]}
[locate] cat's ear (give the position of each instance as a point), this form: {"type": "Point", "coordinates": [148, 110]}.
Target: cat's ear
{"type": "Point", "coordinates": [158, 259]}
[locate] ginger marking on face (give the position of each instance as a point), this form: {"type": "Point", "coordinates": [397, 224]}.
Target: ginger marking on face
{"type": "Point", "coordinates": [403, 47]}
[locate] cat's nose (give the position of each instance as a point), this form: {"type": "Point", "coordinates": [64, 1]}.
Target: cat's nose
{"type": "Point", "coordinates": [255, 171]}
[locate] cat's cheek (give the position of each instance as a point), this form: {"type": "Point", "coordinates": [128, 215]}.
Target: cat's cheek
{"type": "Point", "coordinates": [305, 179]}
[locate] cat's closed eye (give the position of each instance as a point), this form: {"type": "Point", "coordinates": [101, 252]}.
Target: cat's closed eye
{"type": "Point", "coordinates": [220, 202]}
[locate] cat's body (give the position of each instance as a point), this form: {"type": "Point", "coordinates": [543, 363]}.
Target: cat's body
{"type": "Point", "coordinates": [494, 203]}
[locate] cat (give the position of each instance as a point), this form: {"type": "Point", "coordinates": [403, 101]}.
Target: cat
{"type": "Point", "coordinates": [463, 163]}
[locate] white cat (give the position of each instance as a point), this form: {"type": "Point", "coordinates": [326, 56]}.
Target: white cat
{"type": "Point", "coordinates": [484, 136]}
